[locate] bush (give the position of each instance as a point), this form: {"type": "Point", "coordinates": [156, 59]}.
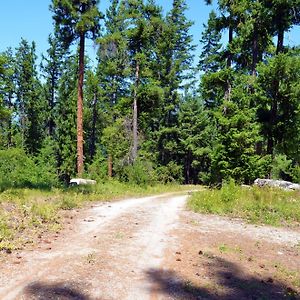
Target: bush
{"type": "Point", "coordinates": [256, 205]}
{"type": "Point", "coordinates": [140, 173]}
{"type": "Point", "coordinates": [281, 167]}
{"type": "Point", "coordinates": [98, 169]}
{"type": "Point", "coordinates": [170, 173]}
{"type": "Point", "coordinates": [17, 169]}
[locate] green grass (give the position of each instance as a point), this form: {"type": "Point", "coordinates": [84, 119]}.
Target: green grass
{"type": "Point", "coordinates": [271, 206]}
{"type": "Point", "coordinates": [26, 212]}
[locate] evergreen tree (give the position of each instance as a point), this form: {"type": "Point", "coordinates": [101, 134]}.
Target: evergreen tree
{"type": "Point", "coordinates": [7, 91]}
{"type": "Point", "coordinates": [197, 134]}
{"type": "Point", "coordinates": [77, 20]}
{"type": "Point", "coordinates": [29, 102]}
{"type": "Point", "coordinates": [52, 68]}
{"type": "Point", "coordinates": [65, 110]}
{"type": "Point", "coordinates": [174, 61]}
{"type": "Point", "coordinates": [210, 58]}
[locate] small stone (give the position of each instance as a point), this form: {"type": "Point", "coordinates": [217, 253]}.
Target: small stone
{"type": "Point", "coordinates": [49, 248]}
{"type": "Point", "coordinates": [8, 251]}
{"type": "Point", "coordinates": [178, 259]}
{"type": "Point", "coordinates": [197, 274]}
{"type": "Point", "coordinates": [178, 252]}
{"type": "Point", "coordinates": [262, 266]}
{"type": "Point", "coordinates": [200, 252]}
{"type": "Point", "coordinates": [250, 259]}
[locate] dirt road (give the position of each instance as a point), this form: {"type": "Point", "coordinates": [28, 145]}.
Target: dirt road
{"type": "Point", "coordinates": [151, 248]}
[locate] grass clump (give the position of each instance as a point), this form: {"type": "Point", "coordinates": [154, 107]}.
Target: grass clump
{"type": "Point", "coordinates": [257, 205]}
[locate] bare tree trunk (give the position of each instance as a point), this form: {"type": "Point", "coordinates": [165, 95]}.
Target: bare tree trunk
{"type": "Point", "coordinates": [254, 51]}
{"type": "Point", "coordinates": [280, 40]}
{"type": "Point", "coordinates": [93, 133]}
{"type": "Point", "coordinates": [229, 62]}
{"type": "Point", "coordinates": [110, 166]}
{"type": "Point", "coordinates": [135, 113]}
{"type": "Point", "coordinates": [80, 167]}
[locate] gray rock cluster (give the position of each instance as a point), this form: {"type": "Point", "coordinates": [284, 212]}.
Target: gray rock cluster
{"type": "Point", "coordinates": [277, 183]}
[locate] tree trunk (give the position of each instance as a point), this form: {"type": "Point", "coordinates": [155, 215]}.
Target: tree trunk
{"type": "Point", "coordinates": [80, 167]}
{"type": "Point", "coordinates": [254, 51]}
{"type": "Point", "coordinates": [230, 38]}
{"type": "Point", "coordinates": [94, 121]}
{"type": "Point", "coordinates": [51, 123]}
{"type": "Point", "coordinates": [110, 166]}
{"type": "Point", "coordinates": [280, 40]}
{"type": "Point", "coordinates": [135, 113]}
{"type": "Point", "coordinates": [229, 62]}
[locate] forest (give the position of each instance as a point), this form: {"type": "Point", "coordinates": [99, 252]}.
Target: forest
{"type": "Point", "coordinates": [149, 110]}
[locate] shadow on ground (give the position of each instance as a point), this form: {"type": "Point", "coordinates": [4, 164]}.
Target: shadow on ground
{"type": "Point", "coordinates": [62, 291]}
{"type": "Point", "coordinates": [226, 282]}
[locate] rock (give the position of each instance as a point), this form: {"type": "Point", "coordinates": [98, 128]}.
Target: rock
{"type": "Point", "coordinates": [80, 181]}
{"type": "Point", "coordinates": [200, 252]}
{"type": "Point", "coordinates": [287, 185]}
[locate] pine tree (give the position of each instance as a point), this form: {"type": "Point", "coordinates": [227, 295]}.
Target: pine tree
{"type": "Point", "coordinates": [52, 68]}
{"type": "Point", "coordinates": [113, 66]}
{"type": "Point", "coordinates": [197, 134]}
{"type": "Point", "coordinates": [77, 20]}
{"type": "Point", "coordinates": [173, 70]}
{"type": "Point", "coordinates": [29, 102]}
{"type": "Point", "coordinates": [7, 86]}
{"type": "Point", "coordinates": [65, 111]}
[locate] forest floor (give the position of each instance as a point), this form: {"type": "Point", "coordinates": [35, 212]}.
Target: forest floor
{"type": "Point", "coordinates": [153, 248]}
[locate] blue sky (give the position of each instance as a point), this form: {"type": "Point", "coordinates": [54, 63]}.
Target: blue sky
{"type": "Point", "coordinates": [31, 19]}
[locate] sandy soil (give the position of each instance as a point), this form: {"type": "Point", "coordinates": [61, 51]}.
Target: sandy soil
{"type": "Point", "coordinates": [152, 248]}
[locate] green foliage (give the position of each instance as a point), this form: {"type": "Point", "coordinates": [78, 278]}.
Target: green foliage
{"type": "Point", "coordinates": [256, 205]}
{"type": "Point", "coordinates": [47, 165]}
{"type": "Point", "coordinates": [140, 173]}
{"type": "Point", "coordinates": [17, 169]}
{"type": "Point", "coordinates": [98, 169]}
{"type": "Point", "coordinates": [281, 167]}
{"type": "Point", "coordinates": [172, 172]}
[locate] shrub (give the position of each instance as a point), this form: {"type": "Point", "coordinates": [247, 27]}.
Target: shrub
{"type": "Point", "coordinates": [17, 169]}
{"type": "Point", "coordinates": [281, 167]}
{"type": "Point", "coordinates": [140, 173]}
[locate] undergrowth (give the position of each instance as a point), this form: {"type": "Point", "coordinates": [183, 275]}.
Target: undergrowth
{"type": "Point", "coordinates": [25, 212]}
{"type": "Point", "coordinates": [257, 205]}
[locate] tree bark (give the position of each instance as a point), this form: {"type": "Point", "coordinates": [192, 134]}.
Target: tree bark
{"type": "Point", "coordinates": [110, 166]}
{"type": "Point", "coordinates": [94, 122]}
{"type": "Point", "coordinates": [254, 51]}
{"type": "Point", "coordinates": [80, 166]}
{"type": "Point", "coordinates": [135, 113]}
{"type": "Point", "coordinates": [280, 40]}
{"type": "Point", "coordinates": [229, 62]}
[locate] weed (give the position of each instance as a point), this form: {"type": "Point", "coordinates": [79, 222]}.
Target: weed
{"type": "Point", "coordinates": [257, 205]}
{"type": "Point", "coordinates": [91, 258]}
{"type": "Point", "coordinates": [223, 248]}
{"type": "Point", "coordinates": [31, 211]}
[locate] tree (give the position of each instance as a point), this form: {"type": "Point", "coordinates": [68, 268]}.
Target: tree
{"type": "Point", "coordinates": [65, 112]}
{"type": "Point", "coordinates": [74, 20]}
{"type": "Point", "coordinates": [197, 135]}
{"type": "Point", "coordinates": [52, 69]}
{"type": "Point", "coordinates": [174, 57]}
{"type": "Point", "coordinates": [113, 67]}
{"type": "Point", "coordinates": [30, 107]}
{"type": "Point", "coordinates": [7, 87]}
